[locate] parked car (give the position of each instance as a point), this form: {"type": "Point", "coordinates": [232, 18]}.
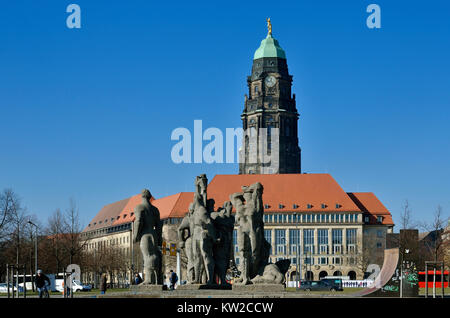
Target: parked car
{"type": "Point", "coordinates": [319, 286]}
{"type": "Point", "coordinates": [337, 282]}
{"type": "Point", "coordinates": [4, 288]}
{"type": "Point", "coordinates": [76, 286]}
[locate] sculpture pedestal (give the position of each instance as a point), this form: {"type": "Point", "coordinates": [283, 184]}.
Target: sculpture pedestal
{"type": "Point", "coordinates": [147, 288]}
{"type": "Point", "coordinates": [202, 286]}
{"type": "Point", "coordinates": [275, 288]}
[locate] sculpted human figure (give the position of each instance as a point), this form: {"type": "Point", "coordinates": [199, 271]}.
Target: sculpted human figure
{"type": "Point", "coordinates": [253, 248]}
{"type": "Point", "coordinates": [254, 212]}
{"type": "Point", "coordinates": [224, 223]}
{"type": "Point", "coordinates": [204, 234]}
{"type": "Point", "coordinates": [185, 237]}
{"type": "Point", "coordinates": [273, 273]}
{"type": "Point", "coordinates": [243, 237]}
{"type": "Point", "coordinates": [148, 232]}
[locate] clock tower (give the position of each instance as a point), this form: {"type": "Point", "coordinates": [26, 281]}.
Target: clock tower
{"type": "Point", "coordinates": [270, 104]}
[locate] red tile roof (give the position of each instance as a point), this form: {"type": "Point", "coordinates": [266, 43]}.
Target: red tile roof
{"type": "Point", "coordinates": [372, 207]}
{"type": "Point", "coordinates": [282, 193]}
{"type": "Point", "coordinates": [172, 206]}
{"type": "Point", "coordinates": [106, 214]}
{"type": "Point", "coordinates": [320, 191]}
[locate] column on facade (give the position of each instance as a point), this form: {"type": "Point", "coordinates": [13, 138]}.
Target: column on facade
{"type": "Point", "coordinates": [330, 244]}
{"type": "Point", "coordinates": [300, 247]}
{"type": "Point", "coordinates": [287, 245]}
{"type": "Point", "coordinates": [344, 241]}
{"type": "Point", "coordinates": [316, 241]}
{"type": "Point", "coordinates": [359, 240]}
{"type": "Point", "coordinates": [274, 250]}
{"type": "Point", "coordinates": [344, 259]}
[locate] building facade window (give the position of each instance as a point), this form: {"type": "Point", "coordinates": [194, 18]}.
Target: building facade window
{"type": "Point", "coordinates": [308, 241]}
{"type": "Point", "coordinates": [280, 241]}
{"type": "Point", "coordinates": [337, 241]}
{"type": "Point", "coordinates": [294, 241]}
{"type": "Point", "coordinates": [322, 236]}
{"type": "Point", "coordinates": [351, 240]}
{"type": "Point", "coordinates": [268, 237]}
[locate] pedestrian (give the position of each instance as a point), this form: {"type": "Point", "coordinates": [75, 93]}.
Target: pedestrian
{"type": "Point", "coordinates": [67, 284]}
{"type": "Point", "coordinates": [173, 278]}
{"type": "Point", "coordinates": [137, 279]}
{"type": "Point", "coordinates": [103, 284]}
{"type": "Point", "coordinates": [40, 282]}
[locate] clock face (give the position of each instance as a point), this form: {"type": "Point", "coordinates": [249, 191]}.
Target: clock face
{"type": "Point", "coordinates": [270, 81]}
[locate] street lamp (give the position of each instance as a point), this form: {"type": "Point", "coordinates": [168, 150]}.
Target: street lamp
{"type": "Point", "coordinates": [35, 247]}
{"type": "Point", "coordinates": [298, 265]}
{"type": "Point", "coordinates": [401, 272]}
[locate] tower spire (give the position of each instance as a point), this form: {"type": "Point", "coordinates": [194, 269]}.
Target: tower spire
{"type": "Point", "coordinates": [269, 27]}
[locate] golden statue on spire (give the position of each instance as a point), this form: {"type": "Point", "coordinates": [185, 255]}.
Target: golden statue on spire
{"type": "Point", "coordinates": [269, 26]}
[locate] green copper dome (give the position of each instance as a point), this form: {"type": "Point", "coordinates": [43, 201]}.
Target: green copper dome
{"type": "Point", "coordinates": [269, 48]}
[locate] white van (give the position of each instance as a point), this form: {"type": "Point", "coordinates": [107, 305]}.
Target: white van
{"type": "Point", "coordinates": [76, 286]}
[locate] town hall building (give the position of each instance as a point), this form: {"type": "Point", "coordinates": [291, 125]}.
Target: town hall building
{"type": "Point", "coordinates": [309, 218]}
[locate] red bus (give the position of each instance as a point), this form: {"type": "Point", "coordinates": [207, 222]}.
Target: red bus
{"type": "Point", "coordinates": [430, 279]}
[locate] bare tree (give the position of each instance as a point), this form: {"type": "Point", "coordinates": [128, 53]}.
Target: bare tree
{"type": "Point", "coordinates": [446, 245]}
{"type": "Point", "coordinates": [63, 237]}
{"type": "Point", "coordinates": [55, 240]}
{"type": "Point", "coordinates": [16, 234]}
{"type": "Point", "coordinates": [18, 220]}
{"type": "Point", "coordinates": [74, 245]}
{"type": "Point", "coordinates": [7, 201]}
{"type": "Point", "coordinates": [433, 242]}
{"type": "Point", "coordinates": [369, 254]}
{"type": "Point", "coordinates": [406, 219]}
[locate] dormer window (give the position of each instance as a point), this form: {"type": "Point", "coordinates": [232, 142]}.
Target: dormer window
{"type": "Point", "coordinates": [379, 219]}
{"type": "Point", "coordinates": [294, 206]}
{"type": "Point", "coordinates": [266, 206]}
{"type": "Point", "coordinates": [324, 205]}
{"type": "Point", "coordinates": [309, 206]}
{"type": "Point", "coordinates": [338, 205]}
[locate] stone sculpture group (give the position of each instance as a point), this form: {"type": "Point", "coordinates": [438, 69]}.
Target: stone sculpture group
{"type": "Point", "coordinates": [206, 236]}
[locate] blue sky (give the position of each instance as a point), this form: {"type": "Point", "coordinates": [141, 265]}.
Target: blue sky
{"type": "Point", "coordinates": [87, 113]}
